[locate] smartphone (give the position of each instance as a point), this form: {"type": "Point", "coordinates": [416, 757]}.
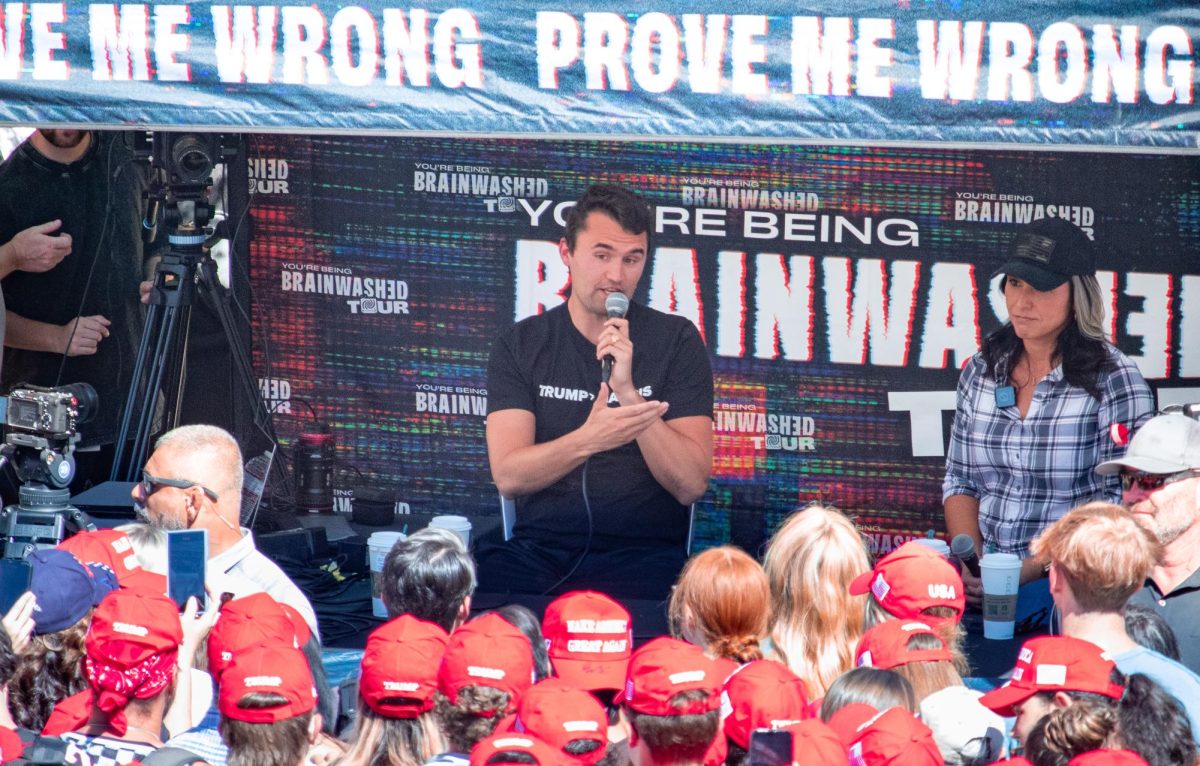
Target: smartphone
{"type": "Point", "coordinates": [187, 558]}
{"type": "Point", "coordinates": [770, 747]}
{"type": "Point", "coordinates": [14, 581]}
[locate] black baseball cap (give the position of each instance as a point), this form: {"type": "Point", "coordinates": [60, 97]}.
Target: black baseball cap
{"type": "Point", "coordinates": [1048, 252]}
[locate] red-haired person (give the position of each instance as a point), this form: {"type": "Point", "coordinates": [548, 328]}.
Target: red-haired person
{"type": "Point", "coordinates": [721, 603]}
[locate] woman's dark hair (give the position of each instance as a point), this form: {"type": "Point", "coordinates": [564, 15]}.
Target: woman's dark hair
{"type": "Point", "coordinates": [1148, 628]}
{"type": "Point", "coordinates": [8, 659]}
{"type": "Point", "coordinates": [326, 700]}
{"type": "Point", "coordinates": [1083, 359]}
{"type": "Point", "coordinates": [523, 619]}
{"type": "Point", "coordinates": [879, 688]}
{"type": "Point", "coordinates": [1153, 724]}
{"type": "Point", "coordinates": [48, 671]}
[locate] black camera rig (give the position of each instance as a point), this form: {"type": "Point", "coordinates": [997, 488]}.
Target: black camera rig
{"type": "Point", "coordinates": [41, 431]}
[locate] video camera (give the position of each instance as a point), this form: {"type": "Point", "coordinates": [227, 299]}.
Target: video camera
{"type": "Point", "coordinates": [41, 431]}
{"type": "Point", "coordinates": [185, 162]}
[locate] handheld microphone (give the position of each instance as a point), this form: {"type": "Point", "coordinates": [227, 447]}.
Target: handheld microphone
{"type": "Point", "coordinates": [963, 548]}
{"type": "Point", "coordinates": [616, 304]}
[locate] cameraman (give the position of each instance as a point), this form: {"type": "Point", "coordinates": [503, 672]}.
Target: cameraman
{"type": "Point", "coordinates": [80, 318]}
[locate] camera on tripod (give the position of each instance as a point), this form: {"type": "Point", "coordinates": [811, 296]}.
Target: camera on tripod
{"type": "Point", "coordinates": [185, 162]}
{"type": "Point", "coordinates": [41, 431]}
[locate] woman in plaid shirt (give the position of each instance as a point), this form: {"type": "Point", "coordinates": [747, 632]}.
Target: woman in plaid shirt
{"type": "Point", "coordinates": [1045, 400]}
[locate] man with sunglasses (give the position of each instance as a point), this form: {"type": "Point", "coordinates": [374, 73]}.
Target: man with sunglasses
{"type": "Point", "coordinates": [1160, 475]}
{"type": "Point", "coordinates": [193, 480]}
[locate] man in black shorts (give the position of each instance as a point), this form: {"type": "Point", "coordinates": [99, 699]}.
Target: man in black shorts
{"type": "Point", "coordinates": [603, 474]}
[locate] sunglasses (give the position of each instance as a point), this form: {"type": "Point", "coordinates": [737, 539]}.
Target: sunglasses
{"type": "Point", "coordinates": [150, 485]}
{"type": "Point", "coordinates": [1149, 482]}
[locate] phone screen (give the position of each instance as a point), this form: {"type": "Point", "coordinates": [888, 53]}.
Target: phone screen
{"type": "Point", "coordinates": [770, 747]}
{"type": "Point", "coordinates": [187, 557]}
{"type": "Point", "coordinates": [14, 580]}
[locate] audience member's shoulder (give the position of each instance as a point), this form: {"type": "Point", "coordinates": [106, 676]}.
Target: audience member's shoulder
{"type": "Point", "coordinates": [1150, 660]}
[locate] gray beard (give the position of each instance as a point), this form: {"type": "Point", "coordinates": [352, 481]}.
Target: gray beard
{"type": "Point", "coordinates": [166, 523]}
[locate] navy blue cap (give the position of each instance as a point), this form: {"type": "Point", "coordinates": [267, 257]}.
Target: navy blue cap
{"type": "Point", "coordinates": [64, 588]}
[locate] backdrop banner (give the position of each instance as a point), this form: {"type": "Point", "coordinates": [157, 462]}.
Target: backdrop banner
{"type": "Point", "coordinates": [1112, 73]}
{"type": "Point", "coordinates": [839, 291]}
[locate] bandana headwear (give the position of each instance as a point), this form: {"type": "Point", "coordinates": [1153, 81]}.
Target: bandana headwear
{"type": "Point", "coordinates": [131, 647]}
{"type": "Point", "coordinates": [115, 684]}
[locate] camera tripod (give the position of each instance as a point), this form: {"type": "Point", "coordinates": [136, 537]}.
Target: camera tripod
{"type": "Point", "coordinates": [186, 269]}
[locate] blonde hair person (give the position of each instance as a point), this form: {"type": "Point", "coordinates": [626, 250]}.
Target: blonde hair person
{"type": "Point", "coordinates": [721, 603]}
{"type": "Point", "coordinates": [815, 622]}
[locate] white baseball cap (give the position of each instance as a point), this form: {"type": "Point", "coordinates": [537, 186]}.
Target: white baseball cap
{"type": "Point", "coordinates": [1165, 444]}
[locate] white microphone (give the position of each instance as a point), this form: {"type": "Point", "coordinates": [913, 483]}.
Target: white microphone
{"type": "Point", "coordinates": [616, 304]}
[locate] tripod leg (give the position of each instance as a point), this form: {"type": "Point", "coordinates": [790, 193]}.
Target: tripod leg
{"type": "Point", "coordinates": [136, 391]}
{"type": "Point", "coordinates": [166, 352]}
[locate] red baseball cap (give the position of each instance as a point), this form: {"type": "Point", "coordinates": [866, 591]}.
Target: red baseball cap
{"type": "Point", "coordinates": [589, 638]}
{"type": "Point", "coordinates": [1105, 757]}
{"type": "Point", "coordinates": [130, 626]}
{"type": "Point", "coordinates": [895, 738]}
{"type": "Point", "coordinates": [271, 668]}
{"type": "Point", "coordinates": [559, 714]}
{"type": "Point", "coordinates": [846, 721]}
{"type": "Point", "coordinates": [487, 651]}
{"type": "Point", "coordinates": [910, 579]}
{"type": "Point", "coordinates": [1051, 664]}
{"type": "Point", "coordinates": [665, 667]}
{"type": "Point", "coordinates": [814, 743]}
{"type": "Point", "coordinates": [112, 548]}
{"type": "Point", "coordinates": [247, 621]}
{"type": "Point", "coordinates": [510, 742]}
{"type": "Point", "coordinates": [400, 667]}
{"type": "Point", "coordinates": [886, 645]}
{"type": "Point", "coordinates": [763, 694]}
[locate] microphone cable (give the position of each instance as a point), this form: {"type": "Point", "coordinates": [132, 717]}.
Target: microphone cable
{"type": "Point", "coordinates": [587, 546]}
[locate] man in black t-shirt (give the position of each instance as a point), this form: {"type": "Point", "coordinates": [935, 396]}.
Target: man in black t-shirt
{"type": "Point", "coordinates": [603, 474]}
{"type": "Point", "coordinates": [79, 318]}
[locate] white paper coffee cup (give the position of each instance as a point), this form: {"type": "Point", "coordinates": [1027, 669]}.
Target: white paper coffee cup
{"type": "Point", "coordinates": [459, 525]}
{"type": "Point", "coordinates": [1001, 575]}
{"type": "Point", "coordinates": [379, 544]}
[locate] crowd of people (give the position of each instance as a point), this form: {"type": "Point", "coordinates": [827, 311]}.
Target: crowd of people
{"type": "Point", "coordinates": [848, 661]}
{"type": "Point", "coordinates": [815, 655]}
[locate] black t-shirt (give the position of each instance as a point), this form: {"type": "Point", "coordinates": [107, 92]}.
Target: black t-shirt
{"type": "Point", "coordinates": [544, 365]}
{"type": "Point", "coordinates": [98, 199]}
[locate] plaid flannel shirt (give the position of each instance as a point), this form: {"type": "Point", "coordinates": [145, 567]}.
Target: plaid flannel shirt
{"type": "Point", "coordinates": [1028, 472]}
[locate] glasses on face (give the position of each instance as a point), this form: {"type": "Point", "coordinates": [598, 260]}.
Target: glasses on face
{"type": "Point", "coordinates": [150, 485]}
{"type": "Point", "coordinates": [1149, 482]}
